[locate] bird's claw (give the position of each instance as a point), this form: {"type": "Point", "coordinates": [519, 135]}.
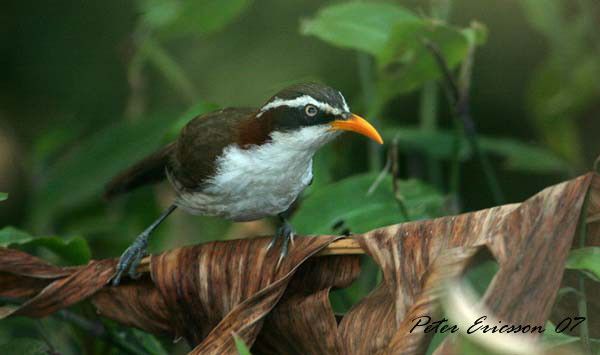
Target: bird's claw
{"type": "Point", "coordinates": [130, 259]}
{"type": "Point", "coordinates": [286, 233]}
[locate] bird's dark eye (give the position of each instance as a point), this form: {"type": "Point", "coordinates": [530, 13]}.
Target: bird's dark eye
{"type": "Point", "coordinates": [311, 110]}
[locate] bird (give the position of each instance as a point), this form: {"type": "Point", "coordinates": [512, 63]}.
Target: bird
{"type": "Point", "coordinates": [242, 164]}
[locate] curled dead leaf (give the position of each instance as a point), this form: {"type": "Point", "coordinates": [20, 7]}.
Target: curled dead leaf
{"type": "Point", "coordinates": [205, 293]}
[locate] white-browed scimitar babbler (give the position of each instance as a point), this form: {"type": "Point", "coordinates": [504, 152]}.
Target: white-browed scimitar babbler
{"type": "Point", "coordinates": [243, 164]}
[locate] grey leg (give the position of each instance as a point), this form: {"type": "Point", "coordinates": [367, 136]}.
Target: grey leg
{"type": "Point", "coordinates": [130, 259]}
{"type": "Point", "coordinates": [286, 232]}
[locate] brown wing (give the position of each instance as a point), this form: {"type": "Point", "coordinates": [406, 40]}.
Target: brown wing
{"type": "Point", "coordinates": [191, 159]}
{"type": "Point", "coordinates": [203, 140]}
{"type": "Point", "coordinates": [149, 170]}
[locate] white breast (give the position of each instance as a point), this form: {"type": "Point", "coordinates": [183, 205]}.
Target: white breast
{"type": "Point", "coordinates": [260, 181]}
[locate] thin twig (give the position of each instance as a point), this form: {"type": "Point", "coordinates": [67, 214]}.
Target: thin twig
{"type": "Point", "coordinates": [449, 80]}
{"type": "Point", "coordinates": [459, 97]}
{"type": "Point", "coordinates": [391, 167]}
{"type": "Point", "coordinates": [380, 177]}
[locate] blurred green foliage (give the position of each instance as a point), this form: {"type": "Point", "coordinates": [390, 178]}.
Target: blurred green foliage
{"type": "Point", "coordinates": [74, 251]}
{"type": "Point", "coordinates": [515, 155]}
{"type": "Point", "coordinates": [357, 25]}
{"type": "Point", "coordinates": [565, 84]}
{"type": "Point", "coordinates": [242, 348]}
{"type": "Point", "coordinates": [586, 260]}
{"type": "Point", "coordinates": [176, 18]}
{"type": "Point", "coordinates": [23, 345]}
{"type": "Point", "coordinates": [394, 36]}
{"type": "Point", "coordinates": [349, 202]}
{"type": "Point", "coordinates": [89, 88]}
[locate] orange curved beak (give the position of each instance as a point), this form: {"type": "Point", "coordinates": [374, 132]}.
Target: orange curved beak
{"type": "Point", "coordinates": [357, 124]}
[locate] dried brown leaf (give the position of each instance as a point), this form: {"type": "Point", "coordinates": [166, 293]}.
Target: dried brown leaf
{"type": "Point", "coordinates": [530, 241]}
{"type": "Point", "coordinates": [303, 321]}
{"type": "Point", "coordinates": [206, 293]}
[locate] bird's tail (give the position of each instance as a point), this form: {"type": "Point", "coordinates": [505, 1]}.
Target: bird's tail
{"type": "Point", "coordinates": [149, 170]}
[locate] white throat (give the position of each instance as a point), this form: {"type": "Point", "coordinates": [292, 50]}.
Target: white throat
{"type": "Point", "coordinates": [305, 140]}
{"type": "Point", "coordinates": [263, 180]}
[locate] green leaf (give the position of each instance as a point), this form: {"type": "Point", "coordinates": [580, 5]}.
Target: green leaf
{"type": "Point", "coordinates": [149, 342]}
{"type": "Point", "coordinates": [476, 33]}
{"type": "Point", "coordinates": [194, 111]}
{"type": "Point", "coordinates": [524, 157]}
{"type": "Point", "coordinates": [395, 36]}
{"type": "Point", "coordinates": [11, 235]}
{"type": "Point", "coordinates": [586, 260]}
{"type": "Point", "coordinates": [347, 201]}
{"type": "Point", "coordinates": [159, 13]}
{"type": "Point", "coordinates": [357, 25]}
{"type": "Point", "coordinates": [406, 63]}
{"type": "Point", "coordinates": [468, 347]}
{"type": "Point", "coordinates": [560, 91]}
{"type": "Point", "coordinates": [545, 16]}
{"type": "Point", "coordinates": [440, 144]}
{"type": "Point", "coordinates": [480, 276]}
{"type": "Point", "coordinates": [24, 346]}
{"type": "Point", "coordinates": [3, 196]}
{"type": "Point", "coordinates": [171, 17]}
{"type": "Point", "coordinates": [75, 251]}
{"type": "Point", "coordinates": [551, 339]}
{"type": "Point", "coordinates": [324, 164]}
{"type": "Point", "coordinates": [241, 347]}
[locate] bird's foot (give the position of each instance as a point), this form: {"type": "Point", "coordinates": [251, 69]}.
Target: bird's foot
{"type": "Point", "coordinates": [130, 259]}
{"type": "Point", "coordinates": [286, 233]}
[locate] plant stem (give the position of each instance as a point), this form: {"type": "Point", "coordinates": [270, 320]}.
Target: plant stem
{"type": "Point", "coordinates": [393, 158]}
{"type": "Point", "coordinates": [365, 72]}
{"type": "Point", "coordinates": [440, 9]}
{"type": "Point", "coordinates": [459, 97]}
{"type": "Point", "coordinates": [169, 68]}
{"type": "Point", "coordinates": [136, 101]}
{"type": "Point", "coordinates": [428, 112]}
{"type": "Point", "coordinates": [380, 177]}
{"type": "Point", "coordinates": [391, 167]}
{"type": "Point", "coordinates": [455, 169]}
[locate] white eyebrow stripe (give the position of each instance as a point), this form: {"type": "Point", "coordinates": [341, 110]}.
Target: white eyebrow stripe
{"type": "Point", "coordinates": [346, 107]}
{"type": "Point", "coordinates": [300, 101]}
